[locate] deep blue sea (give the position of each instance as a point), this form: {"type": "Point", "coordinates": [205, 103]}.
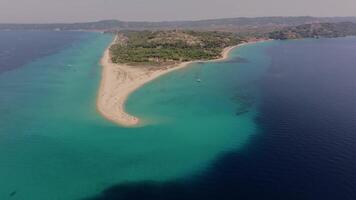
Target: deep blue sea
{"type": "Point", "coordinates": [18, 48]}
{"type": "Point", "coordinates": [277, 120]}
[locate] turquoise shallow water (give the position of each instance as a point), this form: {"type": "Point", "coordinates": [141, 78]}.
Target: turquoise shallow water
{"type": "Point", "coordinates": [54, 144]}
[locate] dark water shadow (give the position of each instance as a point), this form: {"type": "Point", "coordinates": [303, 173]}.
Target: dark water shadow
{"type": "Point", "coordinates": [234, 176]}
{"type": "Point", "coordinates": [235, 60]}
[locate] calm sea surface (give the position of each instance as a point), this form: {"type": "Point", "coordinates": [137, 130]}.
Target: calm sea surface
{"type": "Point", "coordinates": [275, 121]}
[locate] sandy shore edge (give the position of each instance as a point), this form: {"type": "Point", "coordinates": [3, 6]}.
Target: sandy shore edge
{"type": "Point", "coordinates": [118, 81]}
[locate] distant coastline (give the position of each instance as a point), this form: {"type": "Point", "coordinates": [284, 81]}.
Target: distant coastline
{"type": "Point", "coordinates": [118, 81]}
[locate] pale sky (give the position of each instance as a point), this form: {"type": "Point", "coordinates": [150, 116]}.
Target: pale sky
{"type": "Point", "coordinates": [47, 11]}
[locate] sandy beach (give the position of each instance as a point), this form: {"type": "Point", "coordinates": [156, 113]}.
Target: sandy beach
{"type": "Point", "coordinates": [118, 81]}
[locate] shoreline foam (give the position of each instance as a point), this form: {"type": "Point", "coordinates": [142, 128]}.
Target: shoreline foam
{"type": "Point", "coordinates": [118, 81]}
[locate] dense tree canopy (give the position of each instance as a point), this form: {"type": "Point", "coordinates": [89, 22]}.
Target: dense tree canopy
{"type": "Point", "coordinates": [169, 47]}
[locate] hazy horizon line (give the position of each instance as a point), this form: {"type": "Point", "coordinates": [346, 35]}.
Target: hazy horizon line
{"type": "Point", "coordinates": [188, 20]}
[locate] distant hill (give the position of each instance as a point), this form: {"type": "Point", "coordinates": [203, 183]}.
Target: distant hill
{"type": "Point", "coordinates": [227, 24]}
{"type": "Point", "coordinates": [315, 30]}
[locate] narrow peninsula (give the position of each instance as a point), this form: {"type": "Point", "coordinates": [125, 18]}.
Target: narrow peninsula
{"type": "Point", "coordinates": [137, 57]}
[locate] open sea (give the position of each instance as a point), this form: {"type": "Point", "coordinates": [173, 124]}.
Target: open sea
{"type": "Point", "coordinates": [277, 120]}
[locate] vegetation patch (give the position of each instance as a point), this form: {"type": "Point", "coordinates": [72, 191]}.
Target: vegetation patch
{"type": "Point", "coordinates": [169, 47]}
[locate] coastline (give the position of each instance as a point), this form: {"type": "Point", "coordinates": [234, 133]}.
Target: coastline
{"type": "Point", "coordinates": [118, 81]}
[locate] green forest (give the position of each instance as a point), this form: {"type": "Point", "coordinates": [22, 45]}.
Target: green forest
{"type": "Point", "coordinates": [169, 47]}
